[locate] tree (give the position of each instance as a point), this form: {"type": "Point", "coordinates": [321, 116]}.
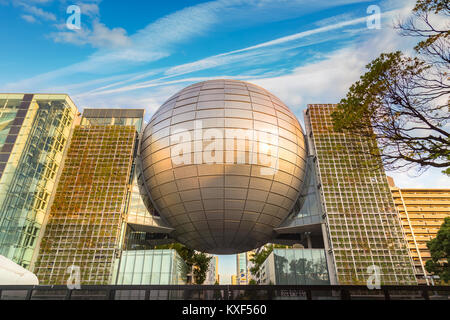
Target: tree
{"type": "Point", "coordinates": [201, 266]}
{"type": "Point", "coordinates": [197, 262]}
{"type": "Point", "coordinates": [440, 252]}
{"type": "Point", "coordinates": [259, 258]}
{"type": "Point", "coordinates": [185, 253]}
{"type": "Point", "coordinates": [402, 103]}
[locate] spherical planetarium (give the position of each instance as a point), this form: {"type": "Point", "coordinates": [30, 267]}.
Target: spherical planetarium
{"type": "Point", "coordinates": [224, 162]}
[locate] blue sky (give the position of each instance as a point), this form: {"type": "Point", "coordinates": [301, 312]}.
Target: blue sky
{"type": "Point", "coordinates": [138, 53]}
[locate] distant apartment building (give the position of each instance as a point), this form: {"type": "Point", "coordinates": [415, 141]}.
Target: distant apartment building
{"type": "Point", "coordinates": [241, 268]}
{"type": "Point", "coordinates": [212, 275]}
{"type": "Point", "coordinates": [34, 133]}
{"type": "Point", "coordinates": [422, 211]}
{"type": "Point", "coordinates": [234, 280]}
{"type": "Point", "coordinates": [250, 255]}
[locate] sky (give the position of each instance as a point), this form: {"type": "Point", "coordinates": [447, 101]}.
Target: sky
{"type": "Point", "coordinates": [136, 54]}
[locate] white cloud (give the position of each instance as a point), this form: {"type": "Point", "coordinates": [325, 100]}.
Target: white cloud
{"type": "Point", "coordinates": [37, 12]}
{"type": "Point", "coordinates": [99, 37]}
{"type": "Point", "coordinates": [158, 39]}
{"type": "Point", "coordinates": [28, 18]}
{"type": "Point", "coordinates": [89, 9]}
{"type": "Point", "coordinates": [216, 60]}
{"type": "Point", "coordinates": [328, 79]}
{"type": "Point", "coordinates": [432, 178]}
{"type": "Point", "coordinates": [250, 55]}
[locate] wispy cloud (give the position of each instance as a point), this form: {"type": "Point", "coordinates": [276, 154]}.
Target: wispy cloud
{"type": "Point", "coordinates": [218, 59]}
{"type": "Point", "coordinates": [99, 36]}
{"type": "Point", "coordinates": [159, 39]}
{"type": "Point", "coordinates": [32, 12]}
{"type": "Point", "coordinates": [242, 55]}
{"type": "Point", "coordinates": [28, 18]}
{"type": "Point", "coordinates": [122, 71]}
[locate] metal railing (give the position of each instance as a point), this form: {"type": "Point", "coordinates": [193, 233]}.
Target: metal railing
{"type": "Point", "coordinates": [224, 292]}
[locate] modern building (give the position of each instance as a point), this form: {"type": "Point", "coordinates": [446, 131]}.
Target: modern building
{"type": "Point", "coordinates": [422, 212]}
{"type": "Point", "coordinates": [243, 266]}
{"type": "Point", "coordinates": [249, 175]}
{"type": "Point", "coordinates": [361, 228]}
{"type": "Point", "coordinates": [150, 267]}
{"type": "Point", "coordinates": [217, 270]}
{"type": "Point", "coordinates": [295, 267]}
{"type": "Point", "coordinates": [322, 193]}
{"type": "Point", "coordinates": [250, 255]}
{"type": "Point", "coordinates": [234, 280]}
{"type": "Point", "coordinates": [34, 133]}
{"type": "Point", "coordinates": [87, 221]}
{"type": "Point", "coordinates": [242, 276]}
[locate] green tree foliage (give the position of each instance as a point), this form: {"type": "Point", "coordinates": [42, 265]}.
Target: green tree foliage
{"type": "Point", "coordinates": [440, 251]}
{"type": "Point", "coordinates": [402, 102]}
{"type": "Point", "coordinates": [259, 258]}
{"type": "Point", "coordinates": [201, 265]}
{"type": "Point", "coordinates": [198, 262]}
{"type": "Point", "coordinates": [185, 253]}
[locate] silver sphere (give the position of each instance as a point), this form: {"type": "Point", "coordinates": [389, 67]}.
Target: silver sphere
{"type": "Point", "coordinates": [224, 162]}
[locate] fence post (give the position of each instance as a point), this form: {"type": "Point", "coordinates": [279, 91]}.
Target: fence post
{"type": "Point", "coordinates": [68, 294]}
{"type": "Point", "coordinates": [425, 294]}
{"type": "Point", "coordinates": [227, 293]}
{"type": "Point", "coordinates": [270, 294]}
{"type": "Point", "coordinates": [345, 295]}
{"type": "Point", "coordinates": [111, 293]}
{"type": "Point", "coordinates": [387, 296]}
{"type": "Point", "coordinates": [308, 294]}
{"type": "Point", "coordinates": [29, 293]}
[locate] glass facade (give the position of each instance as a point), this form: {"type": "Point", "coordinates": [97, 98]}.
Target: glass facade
{"type": "Point", "coordinates": [295, 267]}
{"type": "Point", "coordinates": [363, 226]}
{"type": "Point", "coordinates": [241, 268]}
{"type": "Point", "coordinates": [34, 131]}
{"type": "Point", "coordinates": [141, 210]}
{"type": "Point", "coordinates": [307, 209]}
{"type": "Point", "coordinates": [150, 267]}
{"type": "Point", "coordinates": [87, 216]}
{"type": "Point", "coordinates": [116, 117]}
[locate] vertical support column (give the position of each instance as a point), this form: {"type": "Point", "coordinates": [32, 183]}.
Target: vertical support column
{"type": "Point", "coordinates": [329, 256]}
{"type": "Point", "coordinates": [308, 239]}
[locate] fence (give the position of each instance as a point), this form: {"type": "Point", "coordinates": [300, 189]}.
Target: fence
{"type": "Point", "coordinates": [224, 292]}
